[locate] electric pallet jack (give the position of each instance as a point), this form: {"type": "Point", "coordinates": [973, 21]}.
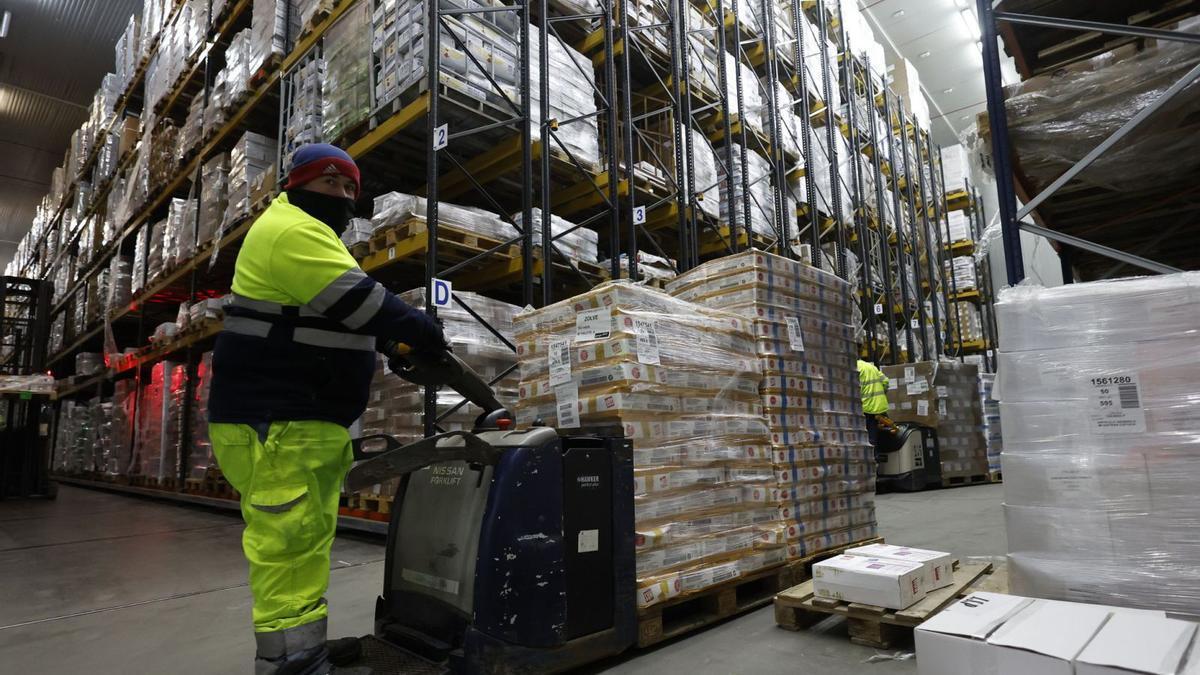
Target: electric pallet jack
{"type": "Point", "coordinates": [908, 458]}
{"type": "Point", "coordinates": [508, 550]}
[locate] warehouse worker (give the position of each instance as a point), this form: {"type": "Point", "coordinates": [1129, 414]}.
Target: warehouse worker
{"type": "Point", "coordinates": [291, 371]}
{"type": "Point", "coordinates": [874, 396]}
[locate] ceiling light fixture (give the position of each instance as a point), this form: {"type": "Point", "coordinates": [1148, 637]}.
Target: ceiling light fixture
{"type": "Point", "coordinates": [948, 90]}
{"type": "Point", "coordinates": [924, 54]}
{"type": "Point", "coordinates": [961, 4]}
{"type": "Point", "coordinates": [897, 14]}
{"type": "Point", "coordinates": [972, 24]}
{"type": "Point", "coordinates": [4, 23]}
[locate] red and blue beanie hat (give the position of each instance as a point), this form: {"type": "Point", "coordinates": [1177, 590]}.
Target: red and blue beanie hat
{"type": "Point", "coordinates": [315, 160]}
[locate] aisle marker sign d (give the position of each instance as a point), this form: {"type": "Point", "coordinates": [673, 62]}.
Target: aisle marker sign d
{"type": "Point", "coordinates": [441, 136]}
{"type": "Point", "coordinates": [639, 215]}
{"type": "Point", "coordinates": [441, 293]}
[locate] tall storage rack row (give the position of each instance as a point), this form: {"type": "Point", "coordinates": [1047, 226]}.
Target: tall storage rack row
{"type": "Point", "coordinates": [625, 155]}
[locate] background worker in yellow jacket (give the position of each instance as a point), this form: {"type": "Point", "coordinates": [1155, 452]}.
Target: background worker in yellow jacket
{"type": "Point", "coordinates": [874, 396]}
{"type": "Point", "coordinates": [291, 371]}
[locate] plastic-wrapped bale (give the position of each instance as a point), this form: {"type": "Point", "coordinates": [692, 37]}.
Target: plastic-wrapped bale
{"type": "Point", "coordinates": [396, 407]}
{"type": "Point", "coordinates": [649, 266]}
{"type": "Point", "coordinates": [822, 487]}
{"type": "Point", "coordinates": [200, 454]}
{"type": "Point", "coordinates": [682, 381]}
{"type": "Point", "coordinates": [761, 197]}
{"type": "Point", "coordinates": [578, 243]}
{"type": "Point", "coordinates": [1097, 390]}
{"type": "Point", "coordinates": [992, 435]}
{"type": "Point", "coordinates": [943, 396]}
{"type": "Point", "coordinates": [961, 274]}
{"type": "Point", "coordinates": [160, 414]}
{"type": "Point", "coordinates": [965, 323]}
{"type": "Point", "coordinates": [248, 164]}
{"type": "Point", "coordinates": [214, 197]}
{"type": "Point", "coordinates": [957, 227]}
{"type": "Point", "coordinates": [347, 79]}
{"type": "Point", "coordinates": [305, 121]}
{"type": "Point", "coordinates": [956, 168]}
{"type": "Point", "coordinates": [268, 33]}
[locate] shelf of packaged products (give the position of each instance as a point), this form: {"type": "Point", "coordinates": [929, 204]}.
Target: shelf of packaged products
{"type": "Point", "coordinates": [961, 247]}
{"type": "Point", "coordinates": [139, 73]}
{"type": "Point", "coordinates": [345, 523]}
{"type": "Point", "coordinates": [83, 384]}
{"type": "Point", "coordinates": [217, 35]}
{"type": "Point", "coordinates": [78, 343]}
{"type": "Point", "coordinates": [193, 336]}
{"type": "Point", "coordinates": [231, 126]}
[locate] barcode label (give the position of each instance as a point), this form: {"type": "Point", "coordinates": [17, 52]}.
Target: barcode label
{"type": "Point", "coordinates": [1128, 394]}
{"type": "Point", "coordinates": [1115, 403]}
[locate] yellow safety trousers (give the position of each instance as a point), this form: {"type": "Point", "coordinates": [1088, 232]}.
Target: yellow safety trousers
{"type": "Point", "coordinates": [289, 486]}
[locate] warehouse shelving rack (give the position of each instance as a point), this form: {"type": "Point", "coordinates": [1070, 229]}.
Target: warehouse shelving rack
{"type": "Point", "coordinates": [496, 159]}
{"type": "Point", "coordinates": [1065, 210]}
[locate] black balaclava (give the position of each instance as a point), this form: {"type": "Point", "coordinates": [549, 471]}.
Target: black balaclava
{"type": "Point", "coordinates": [335, 212]}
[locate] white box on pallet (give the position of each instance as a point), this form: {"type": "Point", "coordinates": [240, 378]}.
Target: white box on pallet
{"type": "Point", "coordinates": [938, 567]}
{"type": "Point", "coordinates": [1136, 644]}
{"type": "Point", "coordinates": [1045, 637]}
{"type": "Point", "coordinates": [872, 581]}
{"type": "Point", "coordinates": [954, 641]}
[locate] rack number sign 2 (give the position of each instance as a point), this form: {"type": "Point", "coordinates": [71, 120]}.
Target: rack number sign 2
{"type": "Point", "coordinates": [441, 136]}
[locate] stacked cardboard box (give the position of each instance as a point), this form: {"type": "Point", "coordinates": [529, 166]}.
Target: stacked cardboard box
{"type": "Point", "coordinates": [944, 396]}
{"type": "Point", "coordinates": [965, 323]}
{"type": "Point", "coordinates": [823, 482]}
{"type": "Point", "coordinates": [961, 274]}
{"type": "Point", "coordinates": [955, 167]}
{"type": "Point", "coordinates": [346, 87]}
{"type": "Point", "coordinates": [249, 162]}
{"type": "Point", "coordinates": [1097, 390]}
{"type": "Point", "coordinates": [396, 407]}
{"type": "Point", "coordinates": [305, 122]}
{"type": "Point", "coordinates": [682, 381]}
{"type": "Point", "coordinates": [761, 197]}
{"type": "Point", "coordinates": [957, 227]}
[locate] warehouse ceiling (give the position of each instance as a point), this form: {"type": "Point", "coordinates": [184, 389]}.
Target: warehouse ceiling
{"type": "Point", "coordinates": [51, 62]}
{"type": "Point", "coordinates": [934, 35]}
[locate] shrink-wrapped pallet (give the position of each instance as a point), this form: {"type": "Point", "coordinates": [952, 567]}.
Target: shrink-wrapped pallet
{"type": "Point", "coordinates": [944, 396]}
{"type": "Point", "coordinates": [1097, 390]}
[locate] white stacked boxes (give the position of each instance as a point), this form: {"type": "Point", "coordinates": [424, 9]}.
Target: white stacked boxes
{"type": "Point", "coordinates": [760, 194]}
{"type": "Point", "coordinates": [961, 274]}
{"type": "Point", "coordinates": [965, 323]}
{"type": "Point", "coordinates": [956, 168]}
{"type": "Point", "coordinates": [305, 122]}
{"type": "Point", "coordinates": [268, 33]}
{"type": "Point", "coordinates": [704, 170]}
{"type": "Point", "coordinates": [682, 381]}
{"type": "Point", "coordinates": [577, 243]}
{"type": "Point", "coordinates": [248, 164]}
{"type": "Point", "coordinates": [956, 227]}
{"type": "Point", "coordinates": [823, 479]}
{"type": "Point", "coordinates": [1097, 386]}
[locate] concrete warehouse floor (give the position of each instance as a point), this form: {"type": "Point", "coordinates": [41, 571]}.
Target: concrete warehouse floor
{"type": "Point", "coordinates": [104, 583]}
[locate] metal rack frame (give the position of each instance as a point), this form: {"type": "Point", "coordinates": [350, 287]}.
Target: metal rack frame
{"type": "Point", "coordinates": [1012, 219]}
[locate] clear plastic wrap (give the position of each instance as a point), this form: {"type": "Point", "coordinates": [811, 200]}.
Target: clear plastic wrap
{"type": "Point", "coordinates": [305, 122]}
{"type": "Point", "coordinates": [1057, 118]}
{"type": "Point", "coordinates": [347, 82]}
{"type": "Point", "coordinates": [268, 33]}
{"type": "Point", "coordinates": [965, 323]}
{"type": "Point", "coordinates": [1102, 441]}
{"type": "Point", "coordinates": [200, 454]}
{"type": "Point", "coordinates": [214, 197]}
{"type": "Point", "coordinates": [160, 416]}
{"type": "Point", "coordinates": [1113, 312]}
{"type": "Point", "coordinates": [249, 161]}
{"type": "Point", "coordinates": [761, 196]}
{"type": "Point", "coordinates": [577, 243]}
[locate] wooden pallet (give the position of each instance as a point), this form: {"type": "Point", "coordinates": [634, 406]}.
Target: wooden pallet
{"type": "Point", "coordinates": [797, 608]}
{"type": "Point", "coordinates": [689, 613]}
{"type": "Point", "coordinates": [961, 481]}
{"type": "Point", "coordinates": [453, 243]}
{"type": "Point", "coordinates": [265, 70]}
{"type": "Point", "coordinates": [324, 9]}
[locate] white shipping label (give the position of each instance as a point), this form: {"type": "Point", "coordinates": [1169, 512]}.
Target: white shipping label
{"type": "Point", "coordinates": [560, 361]}
{"type": "Point", "coordinates": [594, 324]}
{"type": "Point", "coordinates": [1075, 481]}
{"type": "Point", "coordinates": [566, 403]}
{"type": "Point", "coordinates": [917, 388]}
{"type": "Point", "coordinates": [942, 392]}
{"type": "Point", "coordinates": [942, 407]}
{"type": "Point", "coordinates": [922, 408]}
{"type": "Point", "coordinates": [589, 541]}
{"type": "Point", "coordinates": [647, 341]}
{"type": "Point", "coordinates": [794, 337]}
{"type": "Point", "coordinates": [910, 374]}
{"type": "Point", "coordinates": [893, 383]}
{"type": "Point", "coordinates": [1115, 403]}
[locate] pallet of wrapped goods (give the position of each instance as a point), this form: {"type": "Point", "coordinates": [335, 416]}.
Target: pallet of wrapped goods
{"type": "Point", "coordinates": [944, 396]}
{"type": "Point", "coordinates": [681, 380]}
{"type": "Point", "coordinates": [992, 436]}
{"type": "Point", "coordinates": [1096, 384]}
{"type": "Point", "coordinates": [823, 480]}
